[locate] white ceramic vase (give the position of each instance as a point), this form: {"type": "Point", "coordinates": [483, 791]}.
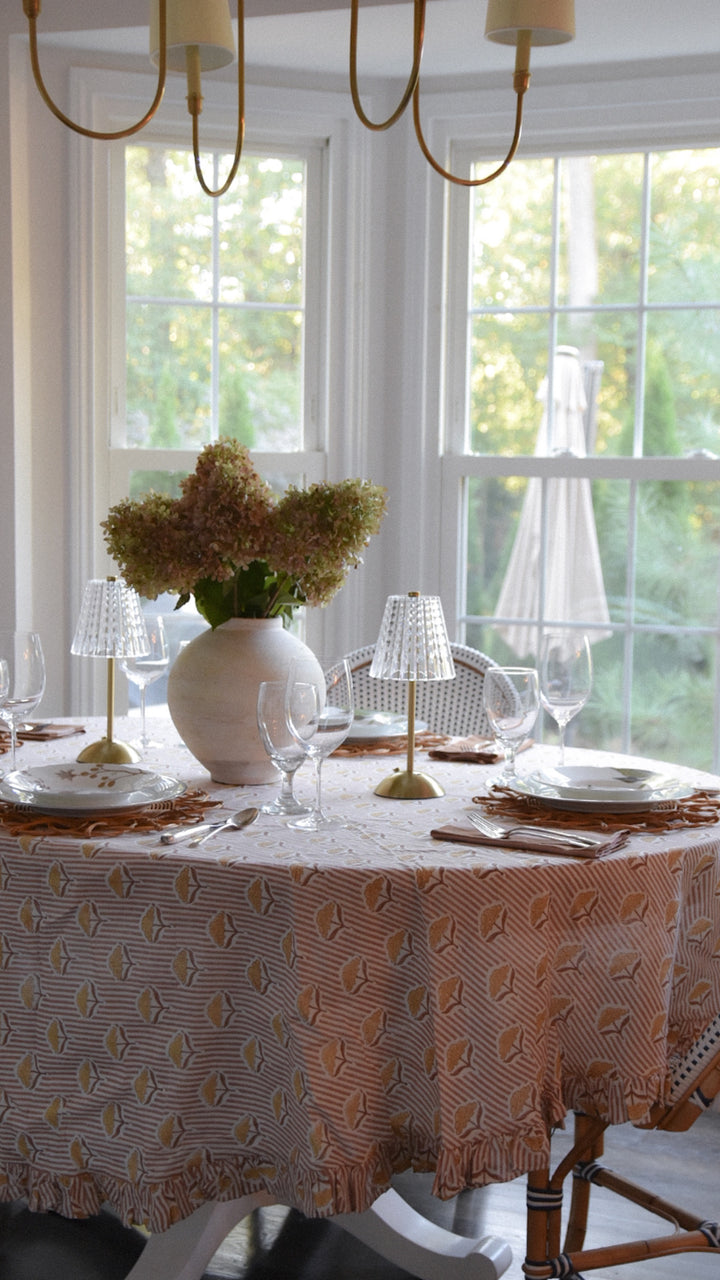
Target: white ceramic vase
{"type": "Point", "coordinates": [212, 694]}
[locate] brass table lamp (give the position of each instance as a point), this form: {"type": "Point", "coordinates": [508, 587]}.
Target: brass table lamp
{"type": "Point", "coordinates": [413, 645]}
{"type": "Point", "coordinates": [111, 625]}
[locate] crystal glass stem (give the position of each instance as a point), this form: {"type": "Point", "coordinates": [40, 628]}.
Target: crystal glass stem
{"type": "Point", "coordinates": [13, 742]}
{"type": "Point", "coordinates": [285, 802]}
{"type": "Point", "coordinates": [317, 813]}
{"type": "Point", "coordinates": [143, 731]}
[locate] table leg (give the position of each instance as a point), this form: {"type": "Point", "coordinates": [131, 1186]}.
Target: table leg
{"type": "Point", "coordinates": [185, 1249]}
{"type": "Point", "coordinates": [391, 1227]}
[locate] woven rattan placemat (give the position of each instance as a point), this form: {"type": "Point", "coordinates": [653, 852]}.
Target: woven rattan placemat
{"type": "Point", "coordinates": [187, 808]}
{"type": "Point", "coordinates": [698, 810]}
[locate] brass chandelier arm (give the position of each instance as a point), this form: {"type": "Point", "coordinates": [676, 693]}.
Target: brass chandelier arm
{"type": "Point", "coordinates": [418, 40]}
{"type": "Point", "coordinates": [32, 10]}
{"type": "Point", "coordinates": [195, 107]}
{"type": "Point", "coordinates": [521, 80]}
{"type": "Point", "coordinates": [451, 177]}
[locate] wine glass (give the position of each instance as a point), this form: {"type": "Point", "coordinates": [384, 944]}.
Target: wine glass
{"type": "Point", "coordinates": [22, 653]}
{"type": "Point", "coordinates": [319, 714]}
{"type": "Point", "coordinates": [280, 745]}
{"type": "Point", "coordinates": [147, 669]}
{"type": "Point", "coordinates": [565, 677]}
{"type": "Point", "coordinates": [511, 697]}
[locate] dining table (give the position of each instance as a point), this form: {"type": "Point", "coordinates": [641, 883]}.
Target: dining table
{"type": "Point", "coordinates": [286, 1017]}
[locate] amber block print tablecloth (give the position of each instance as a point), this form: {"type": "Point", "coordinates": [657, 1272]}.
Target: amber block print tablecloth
{"type": "Point", "coordinates": [308, 1014]}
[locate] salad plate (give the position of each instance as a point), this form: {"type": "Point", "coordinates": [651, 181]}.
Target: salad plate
{"type": "Point", "coordinates": [619, 788]}
{"type": "Point", "coordinates": [370, 725]}
{"type": "Point", "coordinates": [72, 787]}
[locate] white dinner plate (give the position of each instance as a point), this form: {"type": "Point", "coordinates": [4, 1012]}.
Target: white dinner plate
{"type": "Point", "coordinates": [369, 725]}
{"type": "Point", "coordinates": [615, 787]}
{"type": "Point", "coordinates": [87, 788]}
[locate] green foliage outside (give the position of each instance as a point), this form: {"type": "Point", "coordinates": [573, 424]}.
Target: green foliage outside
{"type": "Point", "coordinates": [675, 528]}
{"type": "Point", "coordinates": [214, 309]}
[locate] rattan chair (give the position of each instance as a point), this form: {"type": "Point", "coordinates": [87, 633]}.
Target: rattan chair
{"type": "Point", "coordinates": [447, 706]}
{"type": "Point", "coordinates": [695, 1085]}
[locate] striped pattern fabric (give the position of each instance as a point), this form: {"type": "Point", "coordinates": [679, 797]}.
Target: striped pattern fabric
{"type": "Point", "coordinates": [307, 1015]}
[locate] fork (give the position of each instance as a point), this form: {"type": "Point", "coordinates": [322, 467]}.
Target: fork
{"type": "Point", "coordinates": [488, 828]}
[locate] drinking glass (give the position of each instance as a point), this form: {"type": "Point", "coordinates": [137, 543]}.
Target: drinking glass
{"type": "Point", "coordinates": [511, 696]}
{"type": "Point", "coordinates": [145, 670]}
{"type": "Point", "coordinates": [319, 715]}
{"type": "Point", "coordinates": [22, 652]}
{"type": "Point", "coordinates": [565, 677]}
{"type": "Point", "coordinates": [280, 745]}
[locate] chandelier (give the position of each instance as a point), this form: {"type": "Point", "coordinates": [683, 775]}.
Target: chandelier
{"type": "Point", "coordinates": [192, 36]}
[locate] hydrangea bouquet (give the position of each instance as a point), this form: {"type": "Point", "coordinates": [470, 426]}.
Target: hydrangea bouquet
{"type": "Point", "coordinates": [237, 548]}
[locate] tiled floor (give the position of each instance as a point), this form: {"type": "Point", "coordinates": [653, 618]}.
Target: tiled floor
{"type": "Point", "coordinates": [277, 1244]}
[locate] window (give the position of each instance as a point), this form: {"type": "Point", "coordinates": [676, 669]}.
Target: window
{"type": "Point", "coordinates": [196, 317]}
{"type": "Point", "coordinates": [218, 299]}
{"type": "Point", "coordinates": [215, 303]}
{"type": "Point", "coordinates": [611, 262]}
{"type": "Point", "coordinates": [215, 320]}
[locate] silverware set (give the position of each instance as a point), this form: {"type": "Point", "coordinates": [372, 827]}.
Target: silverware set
{"type": "Point", "coordinates": [202, 831]}
{"type": "Point", "coordinates": [571, 838]}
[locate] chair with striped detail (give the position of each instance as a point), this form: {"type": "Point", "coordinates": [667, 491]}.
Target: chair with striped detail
{"type": "Point", "coordinates": [695, 1084]}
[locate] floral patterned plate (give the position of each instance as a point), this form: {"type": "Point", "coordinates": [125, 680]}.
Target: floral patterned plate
{"type": "Point", "coordinates": [87, 788]}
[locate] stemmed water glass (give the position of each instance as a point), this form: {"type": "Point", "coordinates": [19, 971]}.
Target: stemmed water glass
{"type": "Point", "coordinates": [145, 670]}
{"type": "Point", "coordinates": [511, 696]}
{"type": "Point", "coordinates": [281, 747]}
{"type": "Point", "coordinates": [565, 677]}
{"type": "Point", "coordinates": [319, 707]}
{"type": "Point", "coordinates": [22, 652]}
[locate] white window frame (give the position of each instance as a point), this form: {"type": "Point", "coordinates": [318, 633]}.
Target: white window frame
{"type": "Point", "coordinates": [616, 114]}
{"type": "Point", "coordinates": [313, 123]}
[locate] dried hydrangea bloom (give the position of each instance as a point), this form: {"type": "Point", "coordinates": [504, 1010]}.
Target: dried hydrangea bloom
{"type": "Point", "coordinates": [148, 542]}
{"type": "Point", "coordinates": [225, 509]}
{"type": "Point", "coordinates": [320, 532]}
{"type": "Point", "coordinates": [228, 541]}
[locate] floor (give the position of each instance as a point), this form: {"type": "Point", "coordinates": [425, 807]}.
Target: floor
{"type": "Point", "coordinates": [278, 1244]}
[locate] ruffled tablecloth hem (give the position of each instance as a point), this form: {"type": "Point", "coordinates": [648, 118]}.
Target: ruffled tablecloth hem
{"type": "Point", "coordinates": [324, 1192]}
{"type": "Point", "coordinates": [617, 1101]}
{"type": "Point", "coordinates": [328, 1189]}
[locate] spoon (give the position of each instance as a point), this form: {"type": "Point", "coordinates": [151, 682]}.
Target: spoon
{"type": "Point", "coordinates": [199, 832]}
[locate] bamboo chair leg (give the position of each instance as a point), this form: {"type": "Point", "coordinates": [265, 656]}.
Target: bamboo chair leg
{"type": "Point", "coordinates": [580, 1196]}
{"type": "Point", "coordinates": [692, 1234]}
{"type": "Point", "coordinates": [544, 1198]}
{"type": "Point", "coordinates": [543, 1222]}
{"type": "Point", "coordinates": [636, 1251]}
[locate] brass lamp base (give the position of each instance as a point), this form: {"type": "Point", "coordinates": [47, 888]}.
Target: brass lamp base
{"type": "Point", "coordinates": [405, 785]}
{"type": "Point", "coordinates": [108, 751]}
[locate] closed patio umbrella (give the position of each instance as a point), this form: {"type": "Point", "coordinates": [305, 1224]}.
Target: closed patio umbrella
{"type": "Point", "coordinates": [574, 590]}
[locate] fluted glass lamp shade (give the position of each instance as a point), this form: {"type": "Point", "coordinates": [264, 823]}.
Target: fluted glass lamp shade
{"type": "Point", "coordinates": [412, 645]}
{"type": "Point", "coordinates": [413, 641]}
{"type": "Point", "coordinates": [111, 625]}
